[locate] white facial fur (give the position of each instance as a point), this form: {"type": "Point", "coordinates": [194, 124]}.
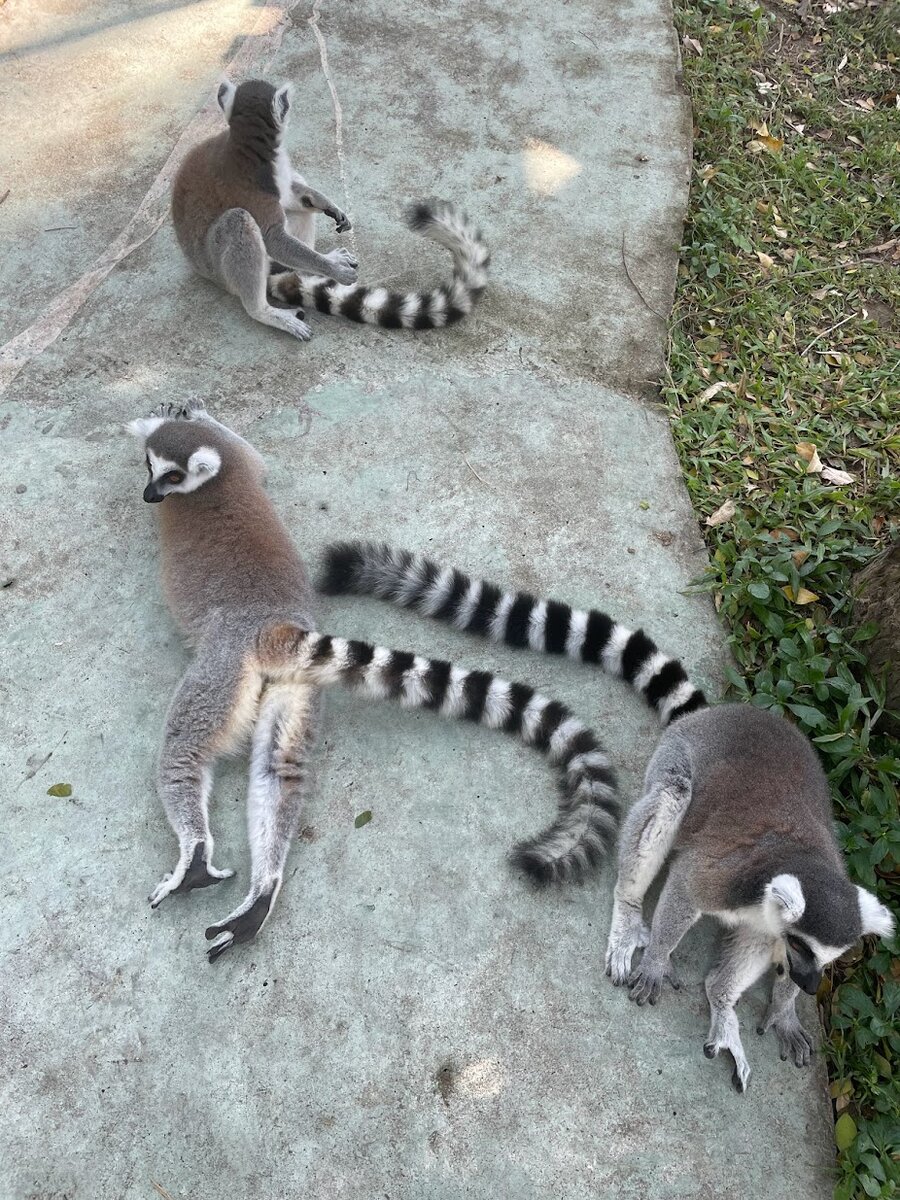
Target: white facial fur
{"type": "Point", "coordinates": [225, 96]}
{"type": "Point", "coordinates": [873, 914]}
{"type": "Point", "coordinates": [202, 466]}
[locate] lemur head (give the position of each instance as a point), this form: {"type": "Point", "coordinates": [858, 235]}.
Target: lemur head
{"type": "Point", "coordinates": [819, 918]}
{"type": "Point", "coordinates": [184, 450]}
{"type": "Point", "coordinates": [254, 104]}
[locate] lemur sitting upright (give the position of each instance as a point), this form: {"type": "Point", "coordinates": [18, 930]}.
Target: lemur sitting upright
{"type": "Point", "coordinates": [246, 220]}
{"type": "Point", "coordinates": [734, 798]}
{"type": "Point", "coordinates": [239, 591]}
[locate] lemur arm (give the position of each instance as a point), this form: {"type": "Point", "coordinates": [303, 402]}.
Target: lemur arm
{"type": "Point", "coordinates": [304, 197]}
{"type": "Point", "coordinates": [339, 264]}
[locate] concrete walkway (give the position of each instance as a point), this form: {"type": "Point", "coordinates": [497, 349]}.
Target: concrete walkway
{"type": "Point", "coordinates": [414, 1023]}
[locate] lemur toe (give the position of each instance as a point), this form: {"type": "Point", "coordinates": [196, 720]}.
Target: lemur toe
{"type": "Point", "coordinates": [710, 1049]}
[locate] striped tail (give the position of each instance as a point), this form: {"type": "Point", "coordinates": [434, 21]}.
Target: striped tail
{"type": "Point", "coordinates": [584, 830]}
{"type": "Point", "coordinates": [441, 305]}
{"type": "Point", "coordinates": [513, 618]}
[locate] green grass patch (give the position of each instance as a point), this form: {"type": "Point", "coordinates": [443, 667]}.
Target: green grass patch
{"type": "Point", "coordinates": [786, 337]}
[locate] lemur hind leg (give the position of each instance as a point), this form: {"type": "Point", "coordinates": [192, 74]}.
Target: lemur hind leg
{"type": "Point", "coordinates": [675, 913]}
{"type": "Point", "coordinates": [793, 1040]}
{"type": "Point", "coordinates": [239, 257]}
{"type": "Point", "coordinates": [647, 836]}
{"type": "Point", "coordinates": [283, 739]}
{"type": "Point", "coordinates": [746, 956]}
{"type": "Point", "coordinates": [208, 711]}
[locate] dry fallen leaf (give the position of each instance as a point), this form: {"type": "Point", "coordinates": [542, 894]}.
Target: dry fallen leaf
{"type": "Point", "coordinates": [714, 389]}
{"type": "Point", "coordinates": [810, 454]}
{"type": "Point", "coordinates": [765, 260]}
{"type": "Point", "coordinates": [723, 514]}
{"type": "Point", "coordinates": [799, 557]}
{"type": "Point", "coordinates": [802, 596]}
{"type": "Point", "coordinates": [693, 44]}
{"type": "Point", "coordinates": [833, 475]}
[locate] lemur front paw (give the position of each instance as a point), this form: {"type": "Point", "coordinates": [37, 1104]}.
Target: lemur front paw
{"type": "Point", "coordinates": [194, 870]}
{"type": "Point", "coordinates": [646, 980]}
{"type": "Point", "coordinates": [342, 265]}
{"type": "Point", "coordinates": [341, 220]}
{"type": "Point", "coordinates": [244, 923]}
{"type": "Point", "coordinates": [793, 1041]}
{"type": "Point", "coordinates": [628, 934]}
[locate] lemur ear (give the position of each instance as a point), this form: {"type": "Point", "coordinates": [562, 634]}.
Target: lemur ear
{"type": "Point", "coordinates": [873, 914]}
{"type": "Point", "coordinates": [785, 891]}
{"type": "Point", "coordinates": [281, 103]}
{"type": "Point", "coordinates": [143, 427]}
{"type": "Point", "coordinates": [225, 96]}
{"type": "Point", "coordinates": [205, 461]}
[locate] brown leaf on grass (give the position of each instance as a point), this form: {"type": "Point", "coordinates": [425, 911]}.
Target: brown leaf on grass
{"type": "Point", "coordinates": [799, 557]}
{"type": "Point", "coordinates": [833, 475]}
{"type": "Point", "coordinates": [692, 44]}
{"type": "Point", "coordinates": [722, 514]}
{"type": "Point", "coordinates": [809, 453]}
{"type": "Point", "coordinates": [765, 260]}
{"type": "Point", "coordinates": [791, 534]}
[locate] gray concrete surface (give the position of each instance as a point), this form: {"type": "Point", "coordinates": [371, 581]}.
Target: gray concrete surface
{"type": "Point", "coordinates": [414, 1023]}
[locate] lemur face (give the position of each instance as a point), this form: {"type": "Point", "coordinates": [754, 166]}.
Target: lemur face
{"type": "Point", "coordinates": [170, 475]}
{"type": "Point", "coordinates": [179, 452]}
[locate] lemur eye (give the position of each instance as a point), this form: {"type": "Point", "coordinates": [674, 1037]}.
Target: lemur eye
{"type": "Point", "coordinates": [174, 477]}
{"type": "Point", "coordinates": [795, 944]}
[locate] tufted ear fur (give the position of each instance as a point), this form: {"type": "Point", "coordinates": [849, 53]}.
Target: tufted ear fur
{"type": "Point", "coordinates": [873, 914]}
{"type": "Point", "coordinates": [143, 427]}
{"type": "Point", "coordinates": [785, 892]}
{"type": "Point", "coordinates": [225, 96]}
{"type": "Point", "coordinates": [281, 104]}
{"type": "Point", "coordinates": [204, 461]}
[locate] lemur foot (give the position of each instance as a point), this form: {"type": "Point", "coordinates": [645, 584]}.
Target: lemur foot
{"type": "Point", "coordinates": [194, 870]}
{"type": "Point", "coordinates": [793, 1040]}
{"type": "Point", "coordinates": [724, 1035]}
{"type": "Point", "coordinates": [343, 265]}
{"type": "Point", "coordinates": [243, 924]}
{"type": "Point", "coordinates": [627, 934]}
{"type": "Point", "coordinates": [646, 980]}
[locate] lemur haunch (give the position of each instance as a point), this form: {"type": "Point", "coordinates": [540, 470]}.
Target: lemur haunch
{"type": "Point", "coordinates": [734, 797]}
{"type": "Point", "coordinates": [246, 220]}
{"type": "Point", "coordinates": [239, 591]}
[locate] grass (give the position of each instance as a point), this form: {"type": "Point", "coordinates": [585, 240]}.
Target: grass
{"type": "Point", "coordinates": [786, 337]}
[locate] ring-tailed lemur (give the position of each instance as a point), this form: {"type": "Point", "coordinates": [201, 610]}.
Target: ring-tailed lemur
{"type": "Point", "coordinates": [246, 220]}
{"type": "Point", "coordinates": [734, 798]}
{"type": "Point", "coordinates": [239, 591]}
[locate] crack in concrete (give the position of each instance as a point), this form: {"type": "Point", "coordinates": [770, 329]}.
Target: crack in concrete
{"type": "Point", "coordinates": [313, 23]}
{"type": "Point", "coordinates": [255, 51]}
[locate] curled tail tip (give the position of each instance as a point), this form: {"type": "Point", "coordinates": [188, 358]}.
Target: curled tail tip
{"type": "Point", "coordinates": [545, 865]}
{"type": "Point", "coordinates": [420, 215]}
{"type": "Point", "coordinates": [340, 568]}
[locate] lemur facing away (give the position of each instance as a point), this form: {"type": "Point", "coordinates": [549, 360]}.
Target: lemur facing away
{"type": "Point", "coordinates": [240, 593]}
{"type": "Point", "coordinates": [734, 798]}
{"type": "Point", "coordinates": [246, 220]}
